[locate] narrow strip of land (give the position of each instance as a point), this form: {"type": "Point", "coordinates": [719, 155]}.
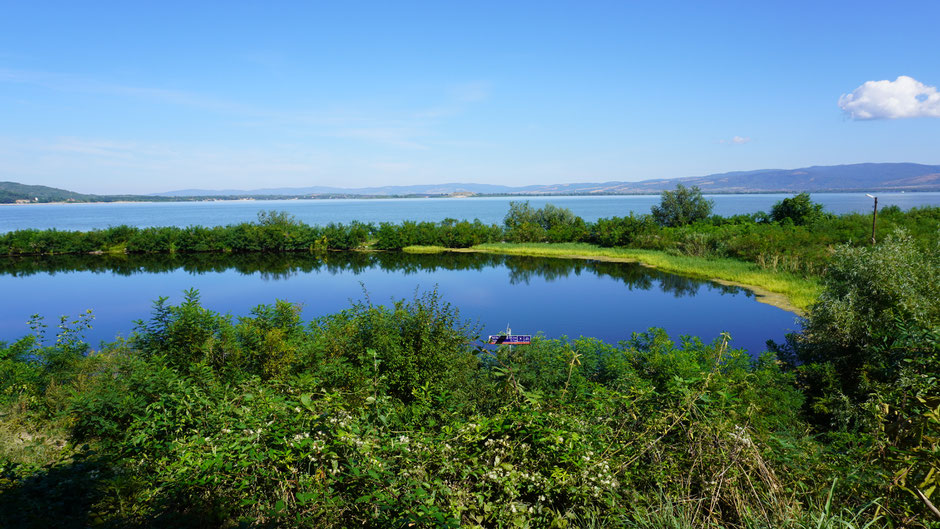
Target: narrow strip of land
{"type": "Point", "coordinates": [783, 290]}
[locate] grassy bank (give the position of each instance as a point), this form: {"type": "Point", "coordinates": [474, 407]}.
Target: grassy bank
{"type": "Point", "coordinates": [781, 289]}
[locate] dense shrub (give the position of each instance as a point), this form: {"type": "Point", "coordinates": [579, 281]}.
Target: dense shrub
{"type": "Point", "coordinates": [682, 206]}
{"type": "Point", "coordinates": [799, 210]}
{"type": "Point", "coordinates": [549, 223]}
{"type": "Point", "coordinates": [620, 231]}
{"type": "Point", "coordinates": [869, 357]}
{"type": "Point", "coordinates": [390, 416]}
{"type": "Point", "coordinates": [410, 346]}
{"type": "Point", "coordinates": [395, 415]}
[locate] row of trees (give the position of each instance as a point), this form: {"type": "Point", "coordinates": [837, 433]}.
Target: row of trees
{"type": "Point", "coordinates": [272, 232]}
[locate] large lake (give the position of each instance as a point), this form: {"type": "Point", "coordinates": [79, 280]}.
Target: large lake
{"type": "Point", "coordinates": [320, 212]}
{"type": "Point", "coordinates": [556, 296]}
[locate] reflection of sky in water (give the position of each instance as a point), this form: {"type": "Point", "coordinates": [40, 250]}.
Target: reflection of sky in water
{"type": "Point", "coordinates": [559, 297]}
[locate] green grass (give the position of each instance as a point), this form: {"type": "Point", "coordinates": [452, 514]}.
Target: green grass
{"type": "Point", "coordinates": [785, 290]}
{"type": "Point", "coordinates": [424, 249]}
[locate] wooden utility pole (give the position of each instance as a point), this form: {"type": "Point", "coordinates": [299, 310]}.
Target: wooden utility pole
{"type": "Point", "coordinates": [874, 218]}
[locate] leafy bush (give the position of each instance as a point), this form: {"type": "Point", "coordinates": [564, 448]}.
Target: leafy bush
{"type": "Point", "coordinates": [682, 206]}
{"type": "Point", "coordinates": [405, 347]}
{"type": "Point", "coordinates": [393, 415]}
{"type": "Point", "coordinates": [549, 223]}
{"type": "Point", "coordinates": [868, 288]}
{"type": "Point", "coordinates": [868, 359]}
{"type": "Point", "coordinates": [799, 210]}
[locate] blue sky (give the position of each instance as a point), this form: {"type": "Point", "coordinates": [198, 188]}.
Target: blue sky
{"type": "Point", "coordinates": [152, 96]}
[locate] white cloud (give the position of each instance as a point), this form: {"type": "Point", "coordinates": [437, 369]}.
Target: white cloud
{"type": "Point", "coordinates": [905, 97]}
{"type": "Point", "coordinates": [737, 140]}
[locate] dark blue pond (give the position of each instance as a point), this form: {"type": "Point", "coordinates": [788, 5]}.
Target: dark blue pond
{"type": "Point", "coordinates": [559, 297]}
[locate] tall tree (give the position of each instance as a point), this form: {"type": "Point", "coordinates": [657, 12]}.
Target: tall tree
{"type": "Point", "coordinates": [682, 206]}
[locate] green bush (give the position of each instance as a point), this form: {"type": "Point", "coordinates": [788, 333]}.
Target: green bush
{"type": "Point", "coordinates": [405, 347]}
{"type": "Point", "coordinates": [682, 206]}
{"type": "Point", "coordinates": [868, 359]}
{"type": "Point", "coordinates": [799, 210]}
{"type": "Point", "coordinates": [549, 223]}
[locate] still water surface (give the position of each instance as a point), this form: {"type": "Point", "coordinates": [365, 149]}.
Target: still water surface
{"type": "Point", "coordinates": [490, 210]}
{"type": "Point", "coordinates": [555, 296]}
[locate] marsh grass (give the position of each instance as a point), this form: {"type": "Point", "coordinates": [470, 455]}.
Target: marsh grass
{"type": "Point", "coordinates": [424, 249]}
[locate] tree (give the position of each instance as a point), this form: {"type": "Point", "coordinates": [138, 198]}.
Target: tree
{"type": "Point", "coordinates": [682, 206]}
{"type": "Point", "coordinates": [799, 209]}
{"type": "Point", "coordinates": [526, 224]}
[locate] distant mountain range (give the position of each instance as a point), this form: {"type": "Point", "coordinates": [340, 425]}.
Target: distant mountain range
{"type": "Point", "coordinates": [816, 179]}
{"type": "Point", "coordinates": [855, 177]}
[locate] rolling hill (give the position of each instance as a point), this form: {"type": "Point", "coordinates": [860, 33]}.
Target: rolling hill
{"type": "Point", "coordinates": [855, 177]}
{"type": "Point", "coordinates": [815, 179]}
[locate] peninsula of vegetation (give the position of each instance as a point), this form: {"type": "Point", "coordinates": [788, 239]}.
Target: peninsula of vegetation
{"type": "Point", "coordinates": [397, 416]}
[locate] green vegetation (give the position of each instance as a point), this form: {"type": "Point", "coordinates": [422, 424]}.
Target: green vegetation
{"type": "Point", "coordinates": [546, 224]}
{"type": "Point", "coordinates": [800, 241]}
{"type": "Point", "coordinates": [784, 252]}
{"type": "Point", "coordinates": [397, 416]}
{"type": "Point", "coordinates": [682, 206]}
{"type": "Point", "coordinates": [799, 210]}
{"type": "Point", "coordinates": [868, 362]}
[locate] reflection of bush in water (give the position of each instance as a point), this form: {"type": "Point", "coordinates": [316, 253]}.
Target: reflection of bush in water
{"type": "Point", "coordinates": [277, 266]}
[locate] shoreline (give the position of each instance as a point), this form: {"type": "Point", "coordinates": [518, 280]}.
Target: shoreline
{"type": "Point", "coordinates": [791, 294]}
{"type": "Point", "coordinates": [263, 198]}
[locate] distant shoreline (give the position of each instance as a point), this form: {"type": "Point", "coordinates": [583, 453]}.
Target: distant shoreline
{"type": "Point", "coordinates": [258, 198]}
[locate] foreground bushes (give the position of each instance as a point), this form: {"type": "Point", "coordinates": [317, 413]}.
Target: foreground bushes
{"type": "Point", "coordinates": [393, 416]}
{"type": "Point", "coordinates": [397, 416]}
{"type": "Point", "coordinates": [868, 361]}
